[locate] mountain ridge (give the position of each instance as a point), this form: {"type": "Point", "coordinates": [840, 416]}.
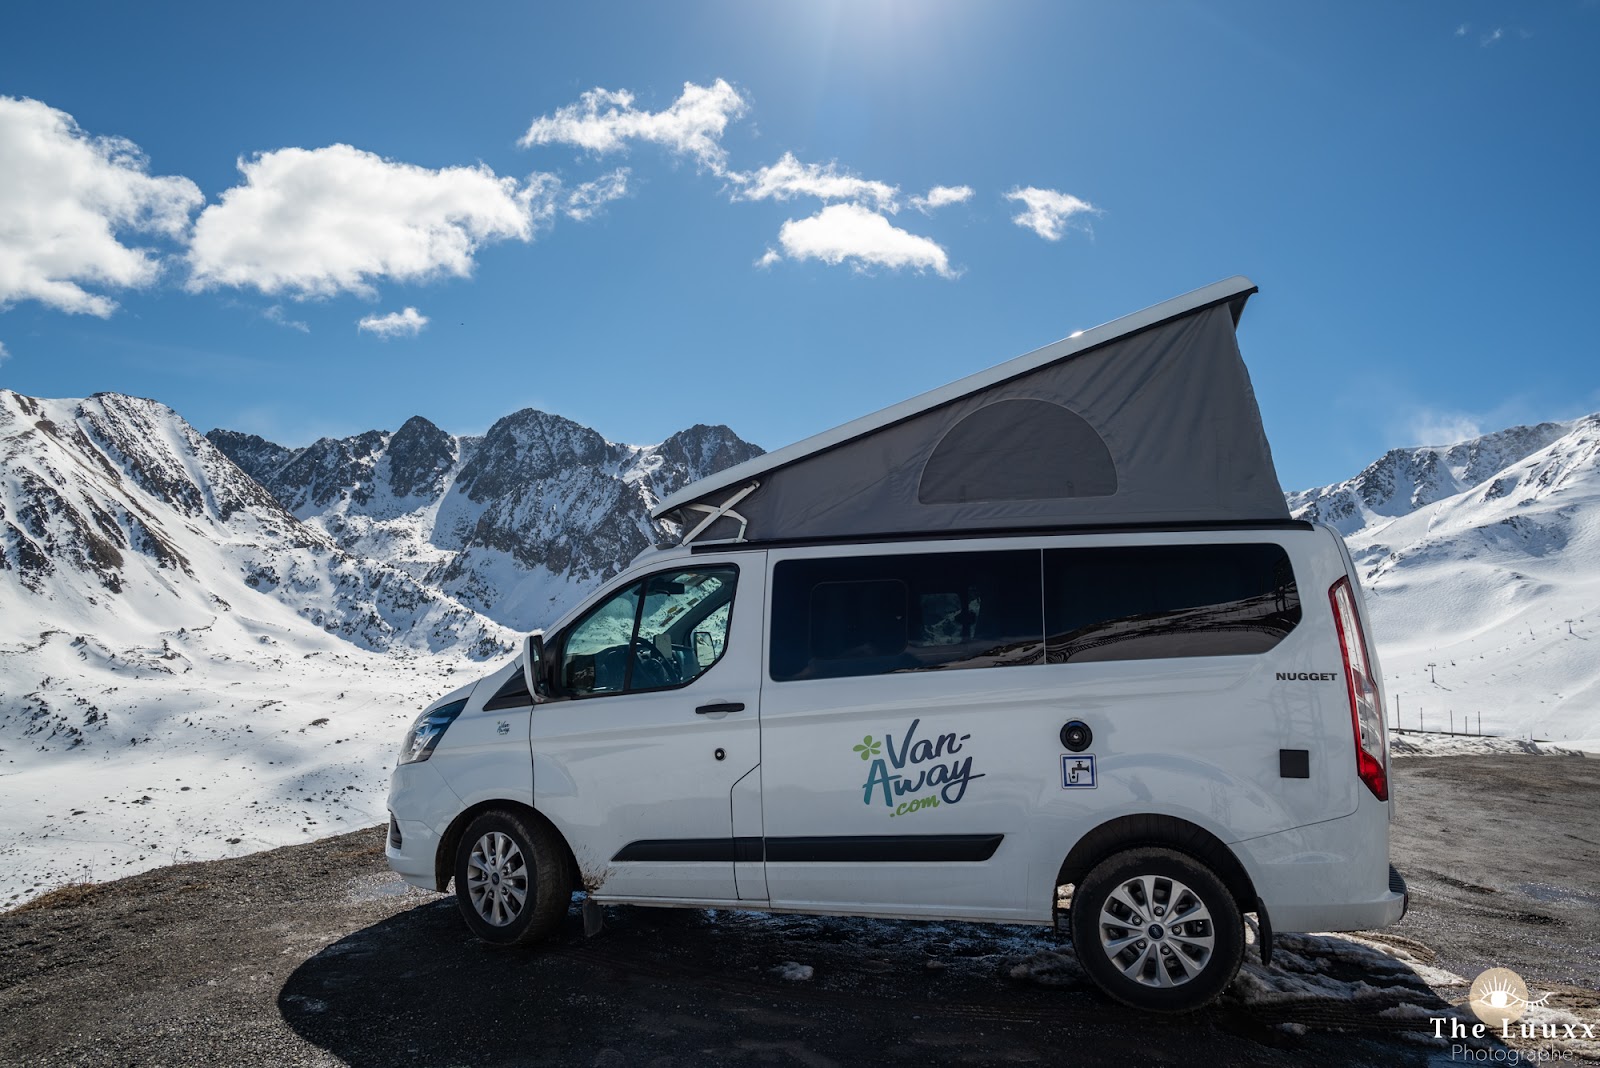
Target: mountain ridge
{"type": "Point", "coordinates": [517, 522]}
{"type": "Point", "coordinates": [1481, 562]}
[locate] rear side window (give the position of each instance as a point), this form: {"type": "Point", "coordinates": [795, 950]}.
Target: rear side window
{"type": "Point", "coordinates": [875, 615]}
{"type": "Point", "coordinates": [1156, 602]}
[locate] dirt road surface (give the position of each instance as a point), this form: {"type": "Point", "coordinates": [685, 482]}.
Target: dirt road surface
{"type": "Point", "coordinates": [316, 955]}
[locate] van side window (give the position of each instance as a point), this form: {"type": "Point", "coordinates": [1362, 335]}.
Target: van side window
{"type": "Point", "coordinates": [657, 634]}
{"type": "Point", "coordinates": [513, 693]}
{"type": "Point", "coordinates": [1159, 601]}
{"type": "Point", "coordinates": [594, 659]}
{"type": "Point", "coordinates": [874, 615]}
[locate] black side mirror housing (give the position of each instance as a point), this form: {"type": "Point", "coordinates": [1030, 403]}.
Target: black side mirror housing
{"type": "Point", "coordinates": [533, 671]}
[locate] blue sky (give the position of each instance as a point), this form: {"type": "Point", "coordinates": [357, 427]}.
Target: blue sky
{"type": "Point", "coordinates": [1412, 186]}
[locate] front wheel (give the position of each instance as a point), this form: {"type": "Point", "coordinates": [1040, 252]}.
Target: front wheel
{"type": "Point", "coordinates": [1157, 930]}
{"type": "Point", "coordinates": [512, 882]}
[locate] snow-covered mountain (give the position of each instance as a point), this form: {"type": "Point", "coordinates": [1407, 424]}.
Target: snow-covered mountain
{"type": "Point", "coordinates": [210, 645]}
{"type": "Point", "coordinates": [119, 517]}
{"type": "Point", "coordinates": [186, 669]}
{"type": "Point", "coordinates": [517, 524]}
{"type": "Point", "coordinates": [1482, 563]}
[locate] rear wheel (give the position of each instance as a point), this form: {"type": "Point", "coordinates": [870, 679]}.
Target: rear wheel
{"type": "Point", "coordinates": [512, 882]}
{"type": "Point", "coordinates": [1156, 929]}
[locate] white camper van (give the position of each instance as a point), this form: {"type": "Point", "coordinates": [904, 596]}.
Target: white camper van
{"type": "Point", "coordinates": [1048, 627]}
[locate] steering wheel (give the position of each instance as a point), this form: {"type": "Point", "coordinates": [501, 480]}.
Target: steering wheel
{"type": "Point", "coordinates": [650, 668]}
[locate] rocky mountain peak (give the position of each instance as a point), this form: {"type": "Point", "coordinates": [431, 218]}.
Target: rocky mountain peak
{"type": "Point", "coordinates": [420, 457]}
{"type": "Point", "coordinates": [327, 470]}
{"type": "Point", "coordinates": [528, 446]}
{"type": "Point", "coordinates": [254, 454]}
{"type": "Point", "coordinates": [702, 450]}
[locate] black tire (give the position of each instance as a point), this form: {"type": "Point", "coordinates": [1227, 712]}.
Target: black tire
{"type": "Point", "coordinates": [1163, 962]}
{"type": "Point", "coordinates": [502, 854]}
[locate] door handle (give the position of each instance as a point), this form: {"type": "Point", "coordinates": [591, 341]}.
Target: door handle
{"type": "Point", "coordinates": [722, 707]}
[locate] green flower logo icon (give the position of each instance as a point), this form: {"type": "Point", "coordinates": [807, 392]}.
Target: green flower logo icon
{"type": "Point", "coordinates": [868, 748]}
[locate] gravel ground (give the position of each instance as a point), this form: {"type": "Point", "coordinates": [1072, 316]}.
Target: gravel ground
{"type": "Point", "coordinates": [315, 954]}
{"type": "Point", "coordinates": [1502, 854]}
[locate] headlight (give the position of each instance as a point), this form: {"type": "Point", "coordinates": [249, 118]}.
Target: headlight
{"type": "Point", "coordinates": [427, 730]}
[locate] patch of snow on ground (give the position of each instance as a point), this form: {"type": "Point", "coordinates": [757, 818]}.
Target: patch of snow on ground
{"type": "Point", "coordinates": [1433, 745]}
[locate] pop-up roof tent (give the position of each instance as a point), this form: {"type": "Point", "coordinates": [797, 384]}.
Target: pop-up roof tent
{"type": "Point", "coordinates": [1149, 419]}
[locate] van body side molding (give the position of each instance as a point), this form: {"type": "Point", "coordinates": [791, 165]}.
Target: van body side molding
{"type": "Point", "coordinates": [884, 848]}
{"type": "Point", "coordinates": [824, 849]}
{"type": "Point", "coordinates": [681, 850]}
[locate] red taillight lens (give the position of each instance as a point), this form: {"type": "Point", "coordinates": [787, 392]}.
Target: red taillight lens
{"type": "Point", "coordinates": [1366, 717]}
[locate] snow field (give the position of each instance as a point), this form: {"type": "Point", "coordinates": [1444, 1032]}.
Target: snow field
{"type": "Point", "coordinates": [264, 748]}
{"type": "Point", "coordinates": [1481, 563]}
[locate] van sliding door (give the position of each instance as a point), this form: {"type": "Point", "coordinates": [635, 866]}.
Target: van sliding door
{"type": "Point", "coordinates": [896, 695]}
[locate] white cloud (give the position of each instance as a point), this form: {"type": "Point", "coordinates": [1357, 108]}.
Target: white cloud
{"type": "Point", "coordinates": [275, 314]}
{"type": "Point", "coordinates": [407, 323]}
{"type": "Point", "coordinates": [841, 232]}
{"type": "Point", "coordinates": [604, 120]}
{"type": "Point", "coordinates": [4, 355]}
{"type": "Point", "coordinates": [1429, 427]}
{"type": "Point", "coordinates": [588, 198]}
{"type": "Point", "coordinates": [1461, 30]}
{"type": "Point", "coordinates": [64, 198]}
{"type": "Point", "coordinates": [789, 178]}
{"type": "Point", "coordinates": [1492, 37]}
{"type": "Point", "coordinates": [1047, 212]}
{"type": "Point", "coordinates": [316, 222]}
{"type": "Point", "coordinates": [942, 196]}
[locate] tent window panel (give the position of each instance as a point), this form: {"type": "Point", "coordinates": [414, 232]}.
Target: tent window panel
{"type": "Point", "coordinates": [877, 615]}
{"type": "Point", "coordinates": [1018, 450]}
{"type": "Point", "coordinates": [1160, 602]}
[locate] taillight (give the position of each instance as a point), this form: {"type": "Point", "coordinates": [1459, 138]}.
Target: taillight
{"type": "Point", "coordinates": [1366, 718]}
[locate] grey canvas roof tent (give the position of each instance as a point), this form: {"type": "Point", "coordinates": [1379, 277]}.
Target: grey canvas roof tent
{"type": "Point", "coordinates": [1149, 419]}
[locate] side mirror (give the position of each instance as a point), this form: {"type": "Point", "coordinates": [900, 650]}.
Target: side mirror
{"type": "Point", "coordinates": [533, 664]}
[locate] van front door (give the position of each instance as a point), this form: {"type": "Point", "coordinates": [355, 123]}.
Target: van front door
{"type": "Point", "coordinates": [639, 756]}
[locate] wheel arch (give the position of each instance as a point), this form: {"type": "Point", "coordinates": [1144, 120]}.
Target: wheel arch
{"type": "Point", "coordinates": [1161, 831]}
{"type": "Point", "coordinates": [444, 860]}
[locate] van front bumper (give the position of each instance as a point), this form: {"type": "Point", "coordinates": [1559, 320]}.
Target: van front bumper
{"type": "Point", "coordinates": [412, 851]}
{"type": "Point", "coordinates": [421, 806]}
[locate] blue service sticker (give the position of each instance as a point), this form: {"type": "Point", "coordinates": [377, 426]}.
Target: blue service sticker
{"type": "Point", "coordinates": [1077, 771]}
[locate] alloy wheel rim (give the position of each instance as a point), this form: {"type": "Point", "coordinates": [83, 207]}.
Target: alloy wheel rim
{"type": "Point", "coordinates": [1156, 931]}
{"type": "Point", "coordinates": [497, 878]}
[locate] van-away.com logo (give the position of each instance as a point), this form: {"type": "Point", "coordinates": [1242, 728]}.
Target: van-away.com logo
{"type": "Point", "coordinates": [912, 774]}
